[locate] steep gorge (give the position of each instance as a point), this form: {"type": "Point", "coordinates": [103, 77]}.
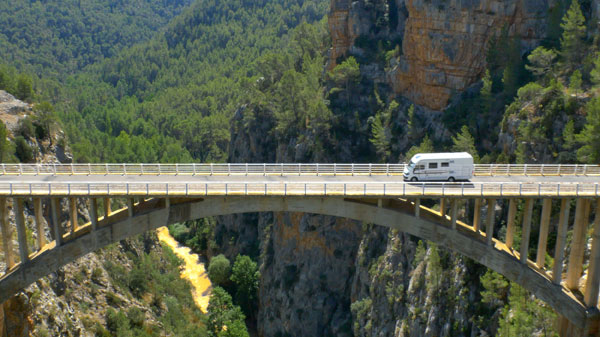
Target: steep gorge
{"type": "Point", "coordinates": [442, 43]}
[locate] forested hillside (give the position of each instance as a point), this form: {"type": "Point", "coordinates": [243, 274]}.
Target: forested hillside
{"type": "Point", "coordinates": [171, 99]}
{"type": "Point", "coordinates": [57, 38]}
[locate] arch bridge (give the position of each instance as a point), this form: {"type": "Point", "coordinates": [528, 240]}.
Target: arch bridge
{"type": "Point", "coordinates": [156, 195]}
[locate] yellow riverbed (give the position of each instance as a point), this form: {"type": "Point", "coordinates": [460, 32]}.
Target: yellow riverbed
{"type": "Point", "coordinates": [193, 270]}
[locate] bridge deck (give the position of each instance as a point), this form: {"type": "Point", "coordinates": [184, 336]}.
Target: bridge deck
{"type": "Point", "coordinates": [380, 181]}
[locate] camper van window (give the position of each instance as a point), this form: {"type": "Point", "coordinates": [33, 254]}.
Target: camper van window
{"type": "Point", "coordinates": [420, 167]}
{"type": "Point", "coordinates": [445, 164]}
{"type": "Point", "coordinates": [432, 165]}
{"type": "Point", "coordinates": [411, 164]}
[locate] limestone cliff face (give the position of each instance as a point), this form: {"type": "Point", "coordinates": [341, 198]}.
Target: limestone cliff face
{"type": "Point", "coordinates": [444, 41]}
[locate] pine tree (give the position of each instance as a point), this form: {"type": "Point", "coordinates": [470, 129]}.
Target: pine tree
{"type": "Point", "coordinates": [426, 146]}
{"type": "Point", "coordinates": [464, 142]}
{"type": "Point", "coordinates": [595, 73]}
{"type": "Point", "coordinates": [573, 26]}
{"type": "Point", "coordinates": [575, 82]}
{"type": "Point", "coordinates": [590, 135]}
{"type": "Point", "coordinates": [541, 61]}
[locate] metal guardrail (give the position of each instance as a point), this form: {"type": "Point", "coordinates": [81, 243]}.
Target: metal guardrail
{"type": "Point", "coordinates": [342, 189]}
{"type": "Point", "coordinates": [280, 169]}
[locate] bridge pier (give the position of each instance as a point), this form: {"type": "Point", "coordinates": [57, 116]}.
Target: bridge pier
{"type": "Point", "coordinates": [575, 266]}
{"type": "Point", "coordinates": [443, 207]}
{"type": "Point", "coordinates": [477, 215]}
{"type": "Point", "coordinates": [540, 260]}
{"type": "Point", "coordinates": [73, 214]}
{"type": "Point", "coordinates": [7, 244]}
{"type": "Point", "coordinates": [524, 251]}
{"type": "Point", "coordinates": [561, 241]}
{"type": "Point", "coordinates": [454, 212]}
{"type": "Point", "coordinates": [39, 222]}
{"type": "Point", "coordinates": [56, 226]}
{"type": "Point", "coordinates": [21, 231]}
{"type": "Point", "coordinates": [593, 278]}
{"type": "Point", "coordinates": [491, 212]}
{"type": "Point", "coordinates": [510, 227]}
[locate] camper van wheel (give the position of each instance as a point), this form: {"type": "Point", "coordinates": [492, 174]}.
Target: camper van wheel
{"type": "Point", "coordinates": [413, 179]}
{"type": "Point", "coordinates": [451, 179]}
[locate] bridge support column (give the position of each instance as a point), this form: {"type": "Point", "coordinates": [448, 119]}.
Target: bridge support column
{"type": "Point", "coordinates": [561, 240]}
{"type": "Point", "coordinates": [6, 235]}
{"type": "Point", "coordinates": [130, 207]}
{"type": "Point", "coordinates": [94, 220]}
{"type": "Point", "coordinates": [443, 207]}
{"type": "Point", "coordinates": [417, 207]}
{"type": "Point", "coordinates": [510, 228]}
{"type": "Point", "coordinates": [454, 212]}
{"type": "Point", "coordinates": [593, 279]}
{"type": "Point", "coordinates": [73, 214]}
{"type": "Point", "coordinates": [477, 215]}
{"type": "Point", "coordinates": [107, 211]}
{"type": "Point", "coordinates": [575, 267]}
{"type": "Point", "coordinates": [56, 226]}
{"type": "Point", "coordinates": [540, 260]}
{"type": "Point", "coordinates": [41, 235]}
{"type": "Point", "coordinates": [526, 230]}
{"type": "Point", "coordinates": [21, 230]}
{"type": "Point", "coordinates": [491, 212]}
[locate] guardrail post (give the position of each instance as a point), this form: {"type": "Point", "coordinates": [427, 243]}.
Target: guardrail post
{"type": "Point", "coordinates": [353, 169]}
{"type": "Point", "coordinates": [124, 169]}
{"type": "Point", "coordinates": [334, 170]}
{"type": "Point", "coordinates": [53, 166]}
{"type": "Point", "coordinates": [299, 169]}
{"type": "Point", "coordinates": [285, 189]}
{"type": "Point", "coordinates": [228, 169]}
{"type": "Point", "coordinates": [176, 169]}
{"type": "Point", "coordinates": [194, 169]}
{"type": "Point", "coordinates": [105, 169]}
{"type": "Point", "coordinates": [38, 169]}
{"type": "Point", "coordinates": [142, 169]}
{"type": "Point", "coordinates": [246, 169]}
{"type": "Point", "coordinates": [147, 189]}
{"type": "Point", "coordinates": [20, 169]}
{"type": "Point", "coordinates": [264, 169]}
{"type": "Point", "coordinates": [317, 169]}
{"type": "Point", "coordinates": [186, 189]}
{"type": "Point", "coordinates": [365, 189]}
{"type": "Point", "coordinates": [211, 169]}
{"type": "Point", "coordinates": [246, 189]}
{"type": "Point", "coordinates": [387, 170]}
{"type": "Point", "coordinates": [265, 188]}
{"type": "Point", "coordinates": [344, 189]}
{"type": "Point", "coordinates": [226, 189]}
{"type": "Point", "coordinates": [282, 169]}
{"type": "Point", "coordinates": [325, 189]}
{"type": "Point", "coordinates": [370, 169]}
{"type": "Point", "coordinates": [525, 170]}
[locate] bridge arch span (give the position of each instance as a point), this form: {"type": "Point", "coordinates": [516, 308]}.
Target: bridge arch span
{"type": "Point", "coordinates": [396, 214]}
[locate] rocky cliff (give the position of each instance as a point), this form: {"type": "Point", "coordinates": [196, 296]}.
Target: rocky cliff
{"type": "Point", "coordinates": [443, 43]}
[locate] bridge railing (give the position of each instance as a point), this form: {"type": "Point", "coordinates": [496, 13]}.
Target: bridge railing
{"type": "Point", "coordinates": [280, 169]}
{"type": "Point", "coordinates": [308, 188]}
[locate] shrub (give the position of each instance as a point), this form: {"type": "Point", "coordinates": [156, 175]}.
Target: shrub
{"type": "Point", "coordinates": [23, 151]}
{"type": "Point", "coordinates": [219, 270]}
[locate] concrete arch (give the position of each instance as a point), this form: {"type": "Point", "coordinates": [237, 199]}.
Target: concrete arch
{"type": "Point", "coordinates": [395, 214]}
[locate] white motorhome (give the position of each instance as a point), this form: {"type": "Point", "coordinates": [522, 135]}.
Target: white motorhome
{"type": "Point", "coordinates": [439, 167]}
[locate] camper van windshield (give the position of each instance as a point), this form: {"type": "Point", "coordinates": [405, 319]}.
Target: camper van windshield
{"type": "Point", "coordinates": [411, 164]}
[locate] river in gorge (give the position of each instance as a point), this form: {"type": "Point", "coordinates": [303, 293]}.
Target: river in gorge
{"type": "Point", "coordinates": [193, 270]}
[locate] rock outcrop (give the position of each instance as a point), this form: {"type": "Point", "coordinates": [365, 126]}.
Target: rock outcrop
{"type": "Point", "coordinates": [444, 42]}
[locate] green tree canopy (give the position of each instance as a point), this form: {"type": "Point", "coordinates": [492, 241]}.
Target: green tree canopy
{"type": "Point", "coordinates": [541, 61]}
{"type": "Point", "coordinates": [245, 276]}
{"type": "Point", "coordinates": [573, 26]}
{"type": "Point", "coordinates": [464, 142]}
{"type": "Point", "coordinates": [590, 135]}
{"type": "Point", "coordinates": [219, 270]}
